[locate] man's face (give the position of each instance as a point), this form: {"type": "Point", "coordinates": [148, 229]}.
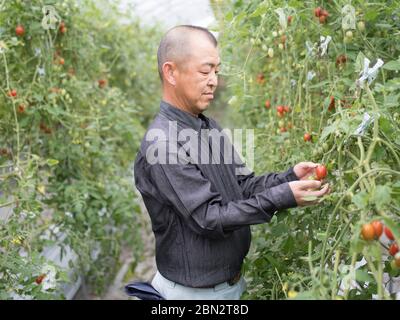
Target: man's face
{"type": "Point", "coordinates": [196, 78]}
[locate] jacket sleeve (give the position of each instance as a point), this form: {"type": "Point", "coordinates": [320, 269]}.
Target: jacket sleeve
{"type": "Point", "coordinates": [252, 184]}
{"type": "Point", "coordinates": [247, 180]}
{"type": "Point", "coordinates": [184, 187]}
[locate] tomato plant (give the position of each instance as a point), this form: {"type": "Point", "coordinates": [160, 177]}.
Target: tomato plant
{"type": "Point", "coordinates": [348, 112]}
{"type": "Point", "coordinates": [66, 147]}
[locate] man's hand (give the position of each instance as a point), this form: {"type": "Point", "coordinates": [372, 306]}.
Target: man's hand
{"type": "Point", "coordinates": [308, 188]}
{"type": "Point", "coordinates": [303, 170]}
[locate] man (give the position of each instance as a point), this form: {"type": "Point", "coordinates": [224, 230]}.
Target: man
{"type": "Point", "coordinates": [201, 212]}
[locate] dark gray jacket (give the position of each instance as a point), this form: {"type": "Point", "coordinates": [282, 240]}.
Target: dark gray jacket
{"type": "Point", "coordinates": [201, 213]}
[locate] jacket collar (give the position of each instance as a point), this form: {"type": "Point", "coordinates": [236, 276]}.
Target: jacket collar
{"type": "Point", "coordinates": [189, 120]}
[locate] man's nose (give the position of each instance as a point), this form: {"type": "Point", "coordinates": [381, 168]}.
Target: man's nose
{"type": "Point", "coordinates": [213, 81]}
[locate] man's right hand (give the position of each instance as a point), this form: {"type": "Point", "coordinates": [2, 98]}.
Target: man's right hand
{"type": "Point", "coordinates": [308, 188]}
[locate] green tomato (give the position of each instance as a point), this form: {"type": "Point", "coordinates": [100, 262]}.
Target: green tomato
{"type": "Point", "coordinates": [393, 265]}
{"type": "Point", "coordinates": [349, 34]}
{"type": "Point", "coordinates": [347, 40]}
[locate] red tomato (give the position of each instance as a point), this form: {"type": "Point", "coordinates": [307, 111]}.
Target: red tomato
{"type": "Point", "coordinates": [280, 109]}
{"type": "Point", "coordinates": [378, 228]}
{"type": "Point", "coordinates": [19, 31]}
{"type": "Point", "coordinates": [102, 83]}
{"type": "Point", "coordinates": [393, 249]}
{"type": "Point", "coordinates": [367, 232]}
{"type": "Point", "coordinates": [286, 109]}
{"type": "Point", "coordinates": [341, 59]}
{"type": "Point", "coordinates": [321, 172]}
{"type": "Point", "coordinates": [317, 11]}
{"type": "Point", "coordinates": [289, 19]}
{"type": "Point", "coordinates": [307, 137]}
{"type": "Point", "coordinates": [267, 104]}
{"type": "Point", "coordinates": [389, 233]}
{"type": "Point", "coordinates": [21, 108]}
{"type": "Point", "coordinates": [40, 278]}
{"type": "Point", "coordinates": [12, 93]}
{"type": "Point", "coordinates": [62, 28]}
{"type": "Point", "coordinates": [260, 78]}
{"type": "Point", "coordinates": [322, 19]}
{"type": "Point", "coordinates": [331, 103]}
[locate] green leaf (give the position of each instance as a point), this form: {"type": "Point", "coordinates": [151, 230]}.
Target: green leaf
{"type": "Point", "coordinates": [360, 200]}
{"type": "Point", "coordinates": [320, 84]}
{"type": "Point", "coordinates": [392, 100]}
{"type": "Point", "coordinates": [359, 65]}
{"type": "Point", "coordinates": [385, 125]}
{"type": "Point", "coordinates": [259, 11]}
{"type": "Point", "coordinates": [392, 65]}
{"type": "Point", "coordinates": [279, 230]}
{"type": "Point", "coordinates": [363, 276]}
{"type": "Point", "coordinates": [327, 131]}
{"type": "Point", "coordinates": [273, 261]}
{"type": "Point", "coordinates": [396, 184]}
{"type": "Point", "coordinates": [305, 295]}
{"type": "Point", "coordinates": [52, 162]}
{"type": "Point", "coordinates": [383, 25]}
{"type": "Point", "coordinates": [382, 196]}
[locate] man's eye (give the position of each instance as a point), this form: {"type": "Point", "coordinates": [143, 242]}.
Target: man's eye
{"type": "Point", "coordinates": [216, 71]}
{"type": "Point", "coordinates": [205, 73]}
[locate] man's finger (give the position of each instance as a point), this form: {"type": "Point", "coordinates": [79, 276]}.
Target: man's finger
{"type": "Point", "coordinates": [309, 164]}
{"type": "Point", "coordinates": [321, 192]}
{"type": "Point", "coordinates": [310, 184]}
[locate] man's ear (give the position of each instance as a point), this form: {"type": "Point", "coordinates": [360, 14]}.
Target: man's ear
{"type": "Point", "coordinates": [169, 72]}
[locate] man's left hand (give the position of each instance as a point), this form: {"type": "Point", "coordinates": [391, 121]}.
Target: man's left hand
{"type": "Point", "coordinates": [303, 170]}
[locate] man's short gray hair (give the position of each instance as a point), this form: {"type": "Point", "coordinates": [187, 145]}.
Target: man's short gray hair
{"type": "Point", "coordinates": [175, 45]}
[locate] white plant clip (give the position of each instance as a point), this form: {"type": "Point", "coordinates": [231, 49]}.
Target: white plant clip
{"type": "Point", "coordinates": [367, 120]}
{"type": "Point", "coordinates": [282, 18]}
{"type": "Point", "coordinates": [3, 47]}
{"type": "Point", "coordinates": [310, 75]}
{"type": "Point", "coordinates": [369, 73]}
{"type": "Point", "coordinates": [310, 48]}
{"type": "Point", "coordinates": [348, 17]}
{"type": "Point", "coordinates": [293, 82]}
{"type": "Point", "coordinates": [50, 17]}
{"type": "Point", "coordinates": [323, 47]}
{"type": "Point", "coordinates": [41, 71]}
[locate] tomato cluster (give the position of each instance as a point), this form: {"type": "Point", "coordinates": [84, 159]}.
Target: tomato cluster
{"type": "Point", "coordinates": [321, 14]}
{"type": "Point", "coordinates": [374, 230]}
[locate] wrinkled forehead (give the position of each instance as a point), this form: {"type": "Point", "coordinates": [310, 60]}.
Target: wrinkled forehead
{"type": "Point", "coordinates": [202, 51]}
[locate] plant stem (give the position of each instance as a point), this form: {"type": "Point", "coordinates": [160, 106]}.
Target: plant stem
{"type": "Point", "coordinates": [14, 109]}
